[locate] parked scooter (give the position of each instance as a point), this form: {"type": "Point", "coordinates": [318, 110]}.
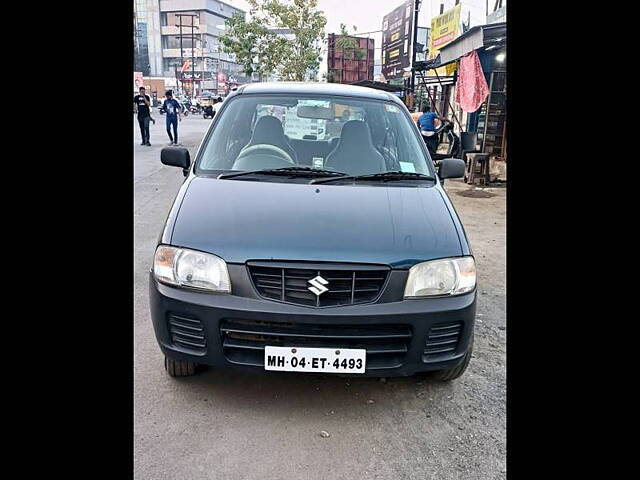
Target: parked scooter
{"type": "Point", "coordinates": [454, 145]}
{"type": "Point", "coordinates": [186, 107]}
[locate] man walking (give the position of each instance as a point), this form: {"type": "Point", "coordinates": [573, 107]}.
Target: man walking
{"type": "Point", "coordinates": [142, 102]}
{"type": "Point", "coordinates": [173, 110]}
{"type": "Point", "coordinates": [428, 128]}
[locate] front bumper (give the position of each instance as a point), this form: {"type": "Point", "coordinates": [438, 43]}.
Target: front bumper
{"type": "Point", "coordinates": [215, 311]}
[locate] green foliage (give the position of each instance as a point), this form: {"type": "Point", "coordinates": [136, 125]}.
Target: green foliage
{"type": "Point", "coordinates": [257, 49]}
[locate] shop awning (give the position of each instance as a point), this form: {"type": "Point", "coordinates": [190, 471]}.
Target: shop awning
{"type": "Point", "coordinates": [481, 36]}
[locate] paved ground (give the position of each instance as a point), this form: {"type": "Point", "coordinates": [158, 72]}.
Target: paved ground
{"type": "Point", "coordinates": [241, 426]}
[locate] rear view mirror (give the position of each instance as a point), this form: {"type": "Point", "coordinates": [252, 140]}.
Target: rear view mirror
{"type": "Point", "coordinates": [175, 157]}
{"type": "Point", "coordinates": [315, 112]}
{"type": "Point", "coordinates": [451, 168]}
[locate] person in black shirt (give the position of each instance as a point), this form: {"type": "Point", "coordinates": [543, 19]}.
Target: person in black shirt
{"type": "Point", "coordinates": [142, 103]}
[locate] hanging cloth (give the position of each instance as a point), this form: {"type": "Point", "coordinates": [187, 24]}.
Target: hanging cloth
{"type": "Point", "coordinates": [472, 88]}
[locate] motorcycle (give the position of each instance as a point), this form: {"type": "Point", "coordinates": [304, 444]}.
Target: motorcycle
{"type": "Point", "coordinates": [207, 107]}
{"type": "Point", "coordinates": [207, 111]}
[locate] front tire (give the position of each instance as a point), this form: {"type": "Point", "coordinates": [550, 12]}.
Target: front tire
{"type": "Point", "coordinates": [179, 368]}
{"type": "Point", "coordinates": [452, 373]}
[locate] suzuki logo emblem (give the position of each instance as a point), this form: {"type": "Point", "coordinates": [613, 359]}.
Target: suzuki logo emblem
{"type": "Point", "coordinates": [318, 285]}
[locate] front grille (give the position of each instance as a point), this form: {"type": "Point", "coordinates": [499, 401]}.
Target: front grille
{"type": "Point", "coordinates": [243, 341]}
{"type": "Point", "coordinates": [187, 333]}
{"type": "Point", "coordinates": [346, 286]}
{"type": "Point", "coordinates": [442, 339]}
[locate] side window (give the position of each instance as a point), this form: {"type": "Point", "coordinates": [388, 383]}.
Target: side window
{"type": "Point", "coordinates": [231, 138]}
{"type": "Point", "coordinates": [407, 150]}
{"type": "Point", "coordinates": [398, 147]}
{"type": "Point", "coordinates": [387, 144]}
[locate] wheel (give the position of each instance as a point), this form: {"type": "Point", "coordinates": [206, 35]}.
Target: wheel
{"type": "Point", "coordinates": [179, 368]}
{"type": "Point", "coordinates": [455, 372]}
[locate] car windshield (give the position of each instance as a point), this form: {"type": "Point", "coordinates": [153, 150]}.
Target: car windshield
{"type": "Point", "coordinates": [343, 134]}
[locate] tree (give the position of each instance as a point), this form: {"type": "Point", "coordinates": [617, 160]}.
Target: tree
{"type": "Point", "coordinates": [257, 48]}
{"type": "Point", "coordinates": [252, 44]}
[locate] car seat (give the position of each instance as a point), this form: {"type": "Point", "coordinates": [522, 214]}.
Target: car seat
{"type": "Point", "coordinates": [269, 131]}
{"type": "Point", "coordinates": [355, 153]}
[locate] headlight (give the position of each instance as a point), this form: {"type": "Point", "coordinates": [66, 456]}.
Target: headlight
{"type": "Point", "coordinates": [448, 276]}
{"type": "Point", "coordinates": [188, 268]}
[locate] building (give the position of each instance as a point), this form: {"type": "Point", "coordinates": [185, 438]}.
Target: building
{"type": "Point", "coordinates": [140, 38]}
{"type": "Point", "coordinates": [162, 46]}
{"type": "Point", "coordinates": [352, 63]}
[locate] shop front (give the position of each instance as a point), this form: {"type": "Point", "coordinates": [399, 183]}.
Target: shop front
{"type": "Point", "coordinates": [489, 121]}
{"type": "Point", "coordinates": [476, 95]}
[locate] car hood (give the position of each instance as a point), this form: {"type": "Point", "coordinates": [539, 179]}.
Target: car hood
{"type": "Point", "coordinates": [242, 220]}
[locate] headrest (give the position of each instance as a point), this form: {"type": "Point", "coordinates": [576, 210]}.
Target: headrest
{"type": "Point", "coordinates": [355, 134]}
{"type": "Point", "coordinates": [267, 130]}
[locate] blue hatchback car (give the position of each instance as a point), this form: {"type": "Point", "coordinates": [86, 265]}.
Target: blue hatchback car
{"type": "Point", "coordinates": [312, 235]}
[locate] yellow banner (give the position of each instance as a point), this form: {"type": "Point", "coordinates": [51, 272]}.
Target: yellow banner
{"type": "Point", "coordinates": [444, 29]}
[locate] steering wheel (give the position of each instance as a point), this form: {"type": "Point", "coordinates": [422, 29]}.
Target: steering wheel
{"type": "Point", "coordinates": [265, 149]}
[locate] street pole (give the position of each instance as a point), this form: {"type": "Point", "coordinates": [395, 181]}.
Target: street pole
{"type": "Point", "coordinates": [413, 49]}
{"type": "Point", "coordinates": [181, 56]}
{"type": "Point", "coordinates": [202, 60]}
{"type": "Point", "coordinates": [193, 60]}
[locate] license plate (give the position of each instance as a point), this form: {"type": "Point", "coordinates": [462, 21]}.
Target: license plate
{"type": "Point", "coordinates": [303, 359]}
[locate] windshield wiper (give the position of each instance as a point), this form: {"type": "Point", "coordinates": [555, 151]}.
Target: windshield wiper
{"type": "Point", "coordinates": [287, 171]}
{"type": "Point", "coordinates": [383, 177]}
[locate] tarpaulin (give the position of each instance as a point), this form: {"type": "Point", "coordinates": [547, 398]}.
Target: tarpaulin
{"type": "Point", "coordinates": [472, 88]}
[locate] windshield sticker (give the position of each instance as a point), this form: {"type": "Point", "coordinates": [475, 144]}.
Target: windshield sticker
{"type": "Point", "coordinates": [318, 162]}
{"type": "Point", "coordinates": [407, 167]}
{"type": "Point", "coordinates": [391, 108]}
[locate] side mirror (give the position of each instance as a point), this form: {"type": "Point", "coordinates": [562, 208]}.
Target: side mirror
{"type": "Point", "coordinates": [176, 157]}
{"type": "Point", "coordinates": [451, 168]}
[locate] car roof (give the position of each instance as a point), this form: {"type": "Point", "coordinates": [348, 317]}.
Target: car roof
{"type": "Point", "coordinates": [302, 88]}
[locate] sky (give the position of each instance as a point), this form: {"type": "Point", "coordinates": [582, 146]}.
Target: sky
{"type": "Point", "coordinates": [367, 15]}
